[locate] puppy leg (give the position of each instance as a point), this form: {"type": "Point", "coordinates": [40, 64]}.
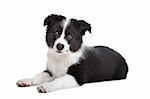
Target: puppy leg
{"type": "Point", "coordinates": [38, 79]}
{"type": "Point", "coordinates": [66, 81]}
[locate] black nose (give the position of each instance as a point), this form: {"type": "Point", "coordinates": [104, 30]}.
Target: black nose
{"type": "Point", "coordinates": [59, 46]}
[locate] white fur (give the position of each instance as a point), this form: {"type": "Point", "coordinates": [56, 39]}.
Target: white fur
{"type": "Point", "coordinates": [58, 63]}
{"type": "Point", "coordinates": [66, 81]}
{"type": "Point", "coordinates": [38, 79]}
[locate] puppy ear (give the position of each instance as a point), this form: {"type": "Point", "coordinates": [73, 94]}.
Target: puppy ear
{"type": "Point", "coordinates": [83, 26]}
{"type": "Point", "coordinates": [53, 19]}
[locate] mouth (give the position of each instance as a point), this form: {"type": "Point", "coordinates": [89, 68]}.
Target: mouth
{"type": "Point", "coordinates": [60, 51]}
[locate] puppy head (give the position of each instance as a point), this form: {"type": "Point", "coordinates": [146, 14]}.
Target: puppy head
{"type": "Point", "coordinates": [64, 35]}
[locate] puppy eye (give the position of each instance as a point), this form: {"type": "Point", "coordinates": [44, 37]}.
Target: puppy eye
{"type": "Point", "coordinates": [56, 33]}
{"type": "Point", "coordinates": [69, 37]}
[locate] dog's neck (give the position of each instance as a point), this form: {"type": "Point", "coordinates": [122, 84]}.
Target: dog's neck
{"type": "Point", "coordinates": [59, 63]}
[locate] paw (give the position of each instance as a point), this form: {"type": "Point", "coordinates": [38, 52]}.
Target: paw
{"type": "Point", "coordinates": [24, 83]}
{"type": "Point", "coordinates": [43, 89]}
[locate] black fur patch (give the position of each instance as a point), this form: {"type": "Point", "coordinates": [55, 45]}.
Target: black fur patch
{"type": "Point", "coordinates": [100, 64]}
{"type": "Point", "coordinates": [82, 26]}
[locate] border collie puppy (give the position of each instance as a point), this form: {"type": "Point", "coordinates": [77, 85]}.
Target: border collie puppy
{"type": "Point", "coordinates": [71, 63]}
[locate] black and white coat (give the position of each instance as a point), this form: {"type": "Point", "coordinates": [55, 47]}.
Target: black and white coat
{"type": "Point", "coordinates": [71, 63]}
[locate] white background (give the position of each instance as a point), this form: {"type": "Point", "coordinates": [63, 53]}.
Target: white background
{"type": "Point", "coordinates": [123, 25]}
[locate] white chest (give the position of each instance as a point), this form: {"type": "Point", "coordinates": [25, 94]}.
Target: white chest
{"type": "Point", "coordinates": [58, 63]}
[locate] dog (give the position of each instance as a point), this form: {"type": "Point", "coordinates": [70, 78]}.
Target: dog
{"type": "Point", "coordinates": [70, 62]}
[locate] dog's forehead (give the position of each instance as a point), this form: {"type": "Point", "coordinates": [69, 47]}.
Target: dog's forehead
{"type": "Point", "coordinates": [66, 23]}
{"type": "Point", "coordinates": [68, 27]}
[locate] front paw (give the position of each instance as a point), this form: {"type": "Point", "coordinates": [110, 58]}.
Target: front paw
{"type": "Point", "coordinates": [43, 88]}
{"type": "Point", "coordinates": [24, 83]}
